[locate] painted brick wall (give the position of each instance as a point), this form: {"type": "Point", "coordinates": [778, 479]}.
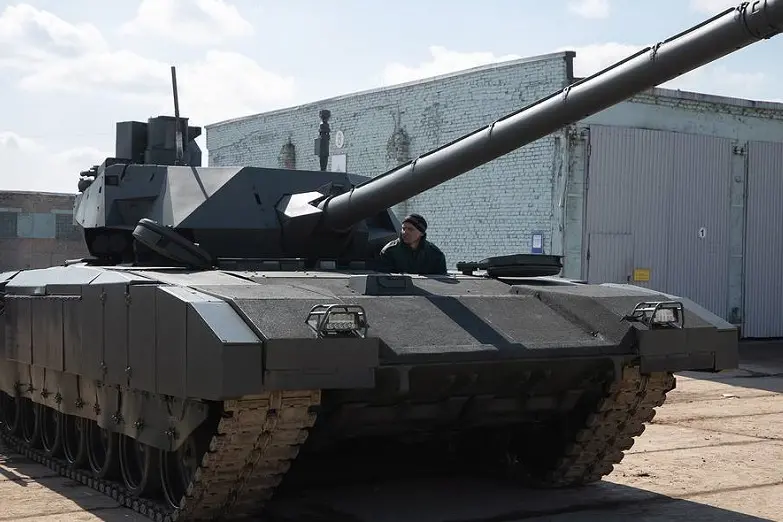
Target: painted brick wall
{"type": "Point", "coordinates": [37, 230]}
{"type": "Point", "coordinates": [492, 210]}
{"type": "Point", "coordinates": [696, 113]}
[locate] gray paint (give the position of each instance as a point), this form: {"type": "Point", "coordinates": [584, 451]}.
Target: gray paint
{"type": "Point", "coordinates": [764, 241]}
{"type": "Point", "coordinates": [428, 111]}
{"type": "Point", "coordinates": [731, 118]}
{"type": "Point", "coordinates": [386, 127]}
{"type": "Point", "coordinates": [231, 212]}
{"type": "Point", "coordinates": [698, 266]}
{"type": "Point", "coordinates": [739, 169]}
{"type": "Point", "coordinates": [248, 212]}
{"type": "Point", "coordinates": [649, 194]}
{"type": "Point", "coordinates": [36, 225]}
{"type": "Point", "coordinates": [523, 203]}
{"type": "Point", "coordinates": [464, 352]}
{"type": "Point", "coordinates": [676, 56]}
{"type": "Point", "coordinates": [37, 230]}
{"type": "Point", "coordinates": [569, 200]}
{"type": "Point", "coordinates": [146, 360]}
{"type": "Point", "coordinates": [213, 340]}
{"type": "Point", "coordinates": [696, 114]}
{"type": "Point", "coordinates": [611, 257]}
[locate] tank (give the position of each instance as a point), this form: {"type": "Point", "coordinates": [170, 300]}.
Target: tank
{"type": "Point", "coordinates": [232, 338]}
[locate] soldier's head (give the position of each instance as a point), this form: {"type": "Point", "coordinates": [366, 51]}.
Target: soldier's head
{"type": "Point", "coordinates": [414, 228]}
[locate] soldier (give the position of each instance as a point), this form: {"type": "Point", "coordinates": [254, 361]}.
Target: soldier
{"type": "Point", "coordinates": [411, 252]}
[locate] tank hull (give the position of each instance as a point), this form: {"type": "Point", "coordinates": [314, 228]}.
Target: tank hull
{"type": "Point", "coordinates": [543, 373]}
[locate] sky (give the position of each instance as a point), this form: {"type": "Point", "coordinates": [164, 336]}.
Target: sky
{"type": "Point", "coordinates": [69, 70]}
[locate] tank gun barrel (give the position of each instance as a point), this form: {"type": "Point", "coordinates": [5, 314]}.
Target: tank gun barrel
{"type": "Point", "coordinates": [708, 41]}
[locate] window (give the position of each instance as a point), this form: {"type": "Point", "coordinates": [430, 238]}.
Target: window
{"type": "Point", "coordinates": [66, 229]}
{"type": "Point", "coordinates": [8, 224]}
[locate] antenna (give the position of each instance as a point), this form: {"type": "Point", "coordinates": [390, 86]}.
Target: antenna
{"type": "Point", "coordinates": [177, 123]}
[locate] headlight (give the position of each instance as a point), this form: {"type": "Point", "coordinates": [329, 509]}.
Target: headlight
{"type": "Point", "coordinates": [664, 315]}
{"type": "Point", "coordinates": [342, 322]}
{"type": "Point", "coordinates": [658, 314]}
{"type": "Point", "coordinates": [338, 319]}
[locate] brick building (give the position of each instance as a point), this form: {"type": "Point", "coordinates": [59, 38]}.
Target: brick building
{"type": "Point", "coordinates": [671, 190]}
{"type": "Point", "coordinates": [37, 230]}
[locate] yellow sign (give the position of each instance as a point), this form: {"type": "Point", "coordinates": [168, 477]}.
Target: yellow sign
{"type": "Point", "coordinates": [641, 274]}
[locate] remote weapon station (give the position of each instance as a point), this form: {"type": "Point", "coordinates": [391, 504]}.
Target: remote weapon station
{"type": "Point", "coordinates": [230, 335]}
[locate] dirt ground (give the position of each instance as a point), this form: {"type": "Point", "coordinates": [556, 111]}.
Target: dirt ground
{"type": "Point", "coordinates": [712, 453]}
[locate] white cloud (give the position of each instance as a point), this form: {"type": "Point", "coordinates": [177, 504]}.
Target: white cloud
{"type": "Point", "coordinates": [712, 7]}
{"type": "Point", "coordinates": [220, 86]}
{"type": "Point", "coordinates": [28, 165]}
{"type": "Point", "coordinates": [443, 61]}
{"type": "Point", "coordinates": [590, 8]}
{"type": "Point", "coordinates": [595, 57]}
{"type": "Point", "coordinates": [111, 71]}
{"type": "Point", "coordinates": [227, 85]}
{"type": "Point", "coordinates": [51, 55]}
{"type": "Point", "coordinates": [29, 36]}
{"type": "Point", "coordinates": [712, 79]}
{"type": "Point", "coordinates": [11, 141]}
{"type": "Point", "coordinates": [211, 22]}
{"type": "Point", "coordinates": [719, 80]}
{"type": "Point", "coordinates": [589, 59]}
{"type": "Point", "coordinates": [76, 59]}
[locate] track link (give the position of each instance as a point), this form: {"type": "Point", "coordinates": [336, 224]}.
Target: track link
{"type": "Point", "coordinates": [257, 439]}
{"type": "Point", "coordinates": [253, 446]}
{"type": "Point", "coordinates": [610, 428]}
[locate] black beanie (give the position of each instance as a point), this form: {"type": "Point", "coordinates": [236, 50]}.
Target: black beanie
{"type": "Point", "coordinates": [417, 221]}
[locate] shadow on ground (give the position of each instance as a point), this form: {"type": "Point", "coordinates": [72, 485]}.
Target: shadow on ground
{"type": "Point", "coordinates": [464, 500]}
{"type": "Point", "coordinates": [30, 491]}
{"type": "Point", "coordinates": [43, 495]}
{"type": "Point", "coordinates": [760, 367]}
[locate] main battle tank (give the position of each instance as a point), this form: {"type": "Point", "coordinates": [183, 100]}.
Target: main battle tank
{"type": "Point", "coordinates": [229, 336]}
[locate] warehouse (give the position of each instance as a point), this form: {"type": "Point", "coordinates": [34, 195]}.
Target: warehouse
{"type": "Point", "coordinates": [37, 230]}
{"type": "Point", "coordinates": [671, 190]}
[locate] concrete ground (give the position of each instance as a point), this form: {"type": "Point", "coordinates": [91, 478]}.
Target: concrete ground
{"type": "Point", "coordinates": [712, 453]}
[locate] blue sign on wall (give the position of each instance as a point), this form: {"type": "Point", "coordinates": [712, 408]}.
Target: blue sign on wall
{"type": "Point", "coordinates": [537, 243]}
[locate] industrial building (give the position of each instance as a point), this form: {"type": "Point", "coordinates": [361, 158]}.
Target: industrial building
{"type": "Point", "coordinates": [37, 230]}
{"type": "Point", "coordinates": [673, 190]}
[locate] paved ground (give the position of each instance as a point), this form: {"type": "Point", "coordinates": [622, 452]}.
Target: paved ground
{"type": "Point", "coordinates": [713, 453]}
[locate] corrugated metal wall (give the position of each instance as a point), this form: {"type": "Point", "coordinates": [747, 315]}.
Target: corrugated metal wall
{"type": "Point", "coordinates": [659, 201]}
{"type": "Point", "coordinates": [763, 293]}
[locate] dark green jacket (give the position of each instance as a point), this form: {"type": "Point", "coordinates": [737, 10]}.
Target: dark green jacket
{"type": "Point", "coordinates": [398, 257]}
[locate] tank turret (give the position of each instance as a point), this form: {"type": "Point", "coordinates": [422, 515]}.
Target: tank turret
{"type": "Point", "coordinates": [220, 215]}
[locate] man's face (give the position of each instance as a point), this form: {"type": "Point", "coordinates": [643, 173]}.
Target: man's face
{"type": "Point", "coordinates": [410, 234]}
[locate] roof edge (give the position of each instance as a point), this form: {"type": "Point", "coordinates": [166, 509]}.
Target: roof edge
{"type": "Point", "coordinates": [682, 94]}
{"type": "Point", "coordinates": [36, 193]}
{"type": "Point", "coordinates": [397, 86]}
{"type": "Point", "coordinates": [717, 99]}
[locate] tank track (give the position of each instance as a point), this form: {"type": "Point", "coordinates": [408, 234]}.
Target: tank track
{"type": "Point", "coordinates": [257, 439]}
{"type": "Point", "coordinates": [253, 446]}
{"type": "Point", "coordinates": [609, 429]}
